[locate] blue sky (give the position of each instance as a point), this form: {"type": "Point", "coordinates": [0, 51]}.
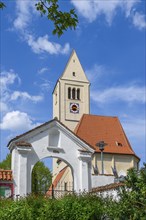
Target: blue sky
{"type": "Point", "coordinates": [110, 43]}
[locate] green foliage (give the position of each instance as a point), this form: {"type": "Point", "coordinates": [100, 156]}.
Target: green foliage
{"type": "Point", "coordinates": [41, 175]}
{"type": "Point", "coordinates": [132, 203]}
{"type": "Point", "coordinates": [6, 164]}
{"type": "Point", "coordinates": [41, 178]}
{"type": "Point", "coordinates": [61, 20]}
{"type": "Point", "coordinates": [71, 207]}
{"type": "Point", "coordinates": [16, 211]}
{"type": "Point", "coordinates": [2, 5]}
{"type": "Point", "coordinates": [130, 206]}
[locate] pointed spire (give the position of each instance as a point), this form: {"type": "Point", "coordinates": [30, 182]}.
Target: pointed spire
{"type": "Point", "coordinates": [73, 70]}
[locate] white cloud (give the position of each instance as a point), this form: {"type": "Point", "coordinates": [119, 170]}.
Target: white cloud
{"type": "Point", "coordinates": [42, 44]}
{"type": "Point", "coordinates": [17, 120]}
{"type": "Point", "coordinates": [24, 11]}
{"type": "Point", "coordinates": [8, 80]}
{"type": "Point", "coordinates": [39, 45]}
{"type": "Point", "coordinates": [44, 84]}
{"type": "Point", "coordinates": [96, 72]}
{"type": "Point", "coordinates": [43, 70]}
{"type": "Point", "coordinates": [3, 107]}
{"type": "Point", "coordinates": [128, 94]}
{"type": "Point", "coordinates": [24, 95]}
{"type": "Point", "coordinates": [134, 127]}
{"type": "Point", "coordinates": [94, 8]}
{"type": "Point", "coordinates": [139, 20]}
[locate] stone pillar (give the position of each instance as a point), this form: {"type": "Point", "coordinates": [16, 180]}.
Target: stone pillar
{"type": "Point", "coordinates": [19, 168]}
{"type": "Point", "coordinates": [85, 170]}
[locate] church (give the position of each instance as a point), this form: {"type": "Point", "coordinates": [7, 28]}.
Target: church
{"type": "Point", "coordinates": [71, 106]}
{"type": "Point", "coordinates": [88, 150]}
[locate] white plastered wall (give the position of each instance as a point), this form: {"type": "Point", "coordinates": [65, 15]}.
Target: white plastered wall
{"type": "Point", "coordinates": [66, 146]}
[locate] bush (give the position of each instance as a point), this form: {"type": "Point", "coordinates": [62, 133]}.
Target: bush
{"type": "Point", "coordinates": [131, 205]}
{"type": "Point", "coordinates": [71, 207]}
{"type": "Point", "coordinates": [15, 210]}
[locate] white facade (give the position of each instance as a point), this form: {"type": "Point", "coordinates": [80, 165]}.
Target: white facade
{"type": "Point", "coordinates": [49, 140]}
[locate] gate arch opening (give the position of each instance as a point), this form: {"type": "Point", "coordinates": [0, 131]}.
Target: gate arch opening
{"type": "Point", "coordinates": [59, 179]}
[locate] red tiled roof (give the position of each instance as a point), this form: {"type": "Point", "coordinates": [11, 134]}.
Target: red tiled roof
{"type": "Point", "coordinates": [57, 179]}
{"type": "Point", "coordinates": [6, 175]}
{"type": "Point", "coordinates": [94, 128]}
{"type": "Point", "coordinates": [108, 187]}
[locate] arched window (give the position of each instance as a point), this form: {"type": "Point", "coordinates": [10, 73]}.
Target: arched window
{"type": "Point", "coordinates": [69, 93]}
{"type": "Point", "coordinates": [73, 93]}
{"type": "Point", "coordinates": [78, 94]}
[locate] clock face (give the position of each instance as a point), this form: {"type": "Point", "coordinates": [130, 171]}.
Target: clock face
{"type": "Point", "coordinates": [74, 108]}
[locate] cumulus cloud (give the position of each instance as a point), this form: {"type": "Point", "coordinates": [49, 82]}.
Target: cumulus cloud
{"type": "Point", "coordinates": [127, 94]}
{"type": "Point", "coordinates": [91, 10]}
{"type": "Point", "coordinates": [8, 78]}
{"type": "Point", "coordinates": [24, 95]}
{"type": "Point", "coordinates": [42, 44]}
{"type": "Point", "coordinates": [16, 120]}
{"type": "Point", "coordinates": [139, 20]}
{"type": "Point", "coordinates": [8, 94]}
{"type": "Point", "coordinates": [3, 107]}
{"type": "Point", "coordinates": [24, 11]}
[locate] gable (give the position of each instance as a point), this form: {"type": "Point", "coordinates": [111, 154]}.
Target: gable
{"type": "Point", "coordinates": [52, 134]}
{"type": "Point", "coordinates": [73, 70]}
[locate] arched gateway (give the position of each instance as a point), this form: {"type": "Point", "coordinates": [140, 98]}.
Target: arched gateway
{"type": "Point", "coordinates": [51, 139]}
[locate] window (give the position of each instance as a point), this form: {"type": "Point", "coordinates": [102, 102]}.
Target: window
{"type": "Point", "coordinates": [78, 94]}
{"type": "Point", "coordinates": [65, 186]}
{"type": "Point", "coordinates": [119, 144]}
{"type": "Point", "coordinates": [74, 74]}
{"type": "Point", "coordinates": [73, 93]}
{"type": "Point", "coordinates": [55, 98]}
{"type": "Point", "coordinates": [69, 93]}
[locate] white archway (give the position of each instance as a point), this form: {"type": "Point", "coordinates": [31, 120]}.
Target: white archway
{"type": "Point", "coordinates": [51, 139]}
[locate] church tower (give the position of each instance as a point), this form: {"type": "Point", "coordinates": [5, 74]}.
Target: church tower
{"type": "Point", "coordinates": [71, 94]}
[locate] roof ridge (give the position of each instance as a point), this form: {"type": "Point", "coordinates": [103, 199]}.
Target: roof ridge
{"type": "Point", "coordinates": [63, 168]}
{"type": "Point", "coordinates": [106, 116]}
{"type": "Point", "coordinates": [33, 129]}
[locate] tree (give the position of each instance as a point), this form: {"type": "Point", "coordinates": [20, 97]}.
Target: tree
{"type": "Point", "coordinates": [41, 178]}
{"type": "Point", "coordinates": [132, 203]}
{"type": "Point", "coordinates": [41, 175]}
{"type": "Point", "coordinates": [133, 196]}
{"type": "Point", "coordinates": [62, 20]}
{"type": "Point", "coordinates": [6, 164]}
